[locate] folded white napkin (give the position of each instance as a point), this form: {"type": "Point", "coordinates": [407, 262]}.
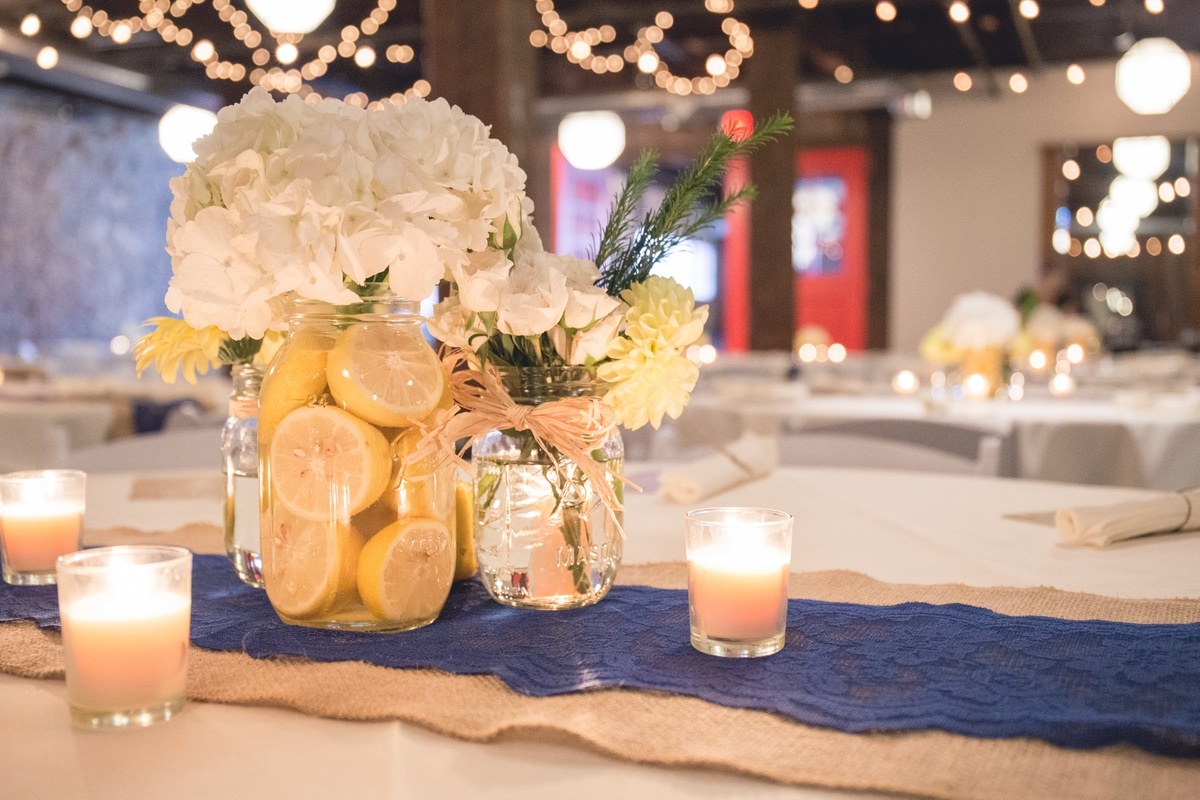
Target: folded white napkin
{"type": "Point", "coordinates": [1101, 525]}
{"type": "Point", "coordinates": [752, 456]}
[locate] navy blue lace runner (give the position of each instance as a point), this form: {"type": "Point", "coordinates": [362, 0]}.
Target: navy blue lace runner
{"type": "Point", "coordinates": [850, 667]}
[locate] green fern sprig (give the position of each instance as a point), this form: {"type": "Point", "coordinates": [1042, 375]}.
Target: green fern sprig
{"type": "Point", "coordinates": [629, 249]}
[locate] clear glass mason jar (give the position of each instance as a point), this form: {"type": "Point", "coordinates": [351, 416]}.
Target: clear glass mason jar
{"type": "Point", "coordinates": [239, 458]}
{"type": "Point", "coordinates": [543, 539]}
{"type": "Point", "coordinates": [353, 536]}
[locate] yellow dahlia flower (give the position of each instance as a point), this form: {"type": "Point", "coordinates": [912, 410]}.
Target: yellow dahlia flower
{"type": "Point", "coordinates": [662, 316]}
{"type": "Point", "coordinates": [659, 387]}
{"type": "Point", "coordinates": [646, 371]}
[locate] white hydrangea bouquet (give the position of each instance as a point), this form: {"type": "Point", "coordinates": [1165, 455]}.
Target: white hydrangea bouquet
{"type": "Point", "coordinates": [324, 201]}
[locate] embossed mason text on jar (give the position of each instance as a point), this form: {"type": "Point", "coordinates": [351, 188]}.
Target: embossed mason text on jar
{"type": "Point", "coordinates": [543, 538]}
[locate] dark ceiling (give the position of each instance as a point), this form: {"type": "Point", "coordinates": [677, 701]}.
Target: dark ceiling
{"type": "Point", "coordinates": [922, 39]}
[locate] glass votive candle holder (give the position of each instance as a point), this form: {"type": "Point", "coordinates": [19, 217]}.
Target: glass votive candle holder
{"type": "Point", "coordinates": [41, 518]}
{"type": "Point", "coordinates": [738, 564]}
{"type": "Point", "coordinates": [126, 623]}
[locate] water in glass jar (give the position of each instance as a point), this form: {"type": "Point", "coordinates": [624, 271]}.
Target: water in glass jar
{"type": "Point", "coordinates": [542, 541]}
{"type": "Point", "coordinates": [242, 525]}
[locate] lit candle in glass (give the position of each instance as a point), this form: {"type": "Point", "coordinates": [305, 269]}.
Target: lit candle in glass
{"type": "Point", "coordinates": [41, 518]}
{"type": "Point", "coordinates": [1062, 385]}
{"type": "Point", "coordinates": [905, 382]}
{"type": "Point", "coordinates": [976, 386]}
{"type": "Point", "coordinates": [126, 621]}
{"type": "Point", "coordinates": [738, 565]}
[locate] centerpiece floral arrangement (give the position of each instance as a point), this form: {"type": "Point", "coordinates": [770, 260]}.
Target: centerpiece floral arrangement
{"type": "Point", "coordinates": [613, 337]}
{"type": "Point", "coordinates": [1048, 329]}
{"type": "Point", "coordinates": [290, 203]}
{"type": "Point", "coordinates": [973, 321]}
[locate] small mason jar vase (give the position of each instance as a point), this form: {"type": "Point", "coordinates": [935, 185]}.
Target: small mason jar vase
{"type": "Point", "coordinates": [355, 535]}
{"type": "Point", "coordinates": [543, 539]}
{"type": "Point", "coordinates": [239, 459]}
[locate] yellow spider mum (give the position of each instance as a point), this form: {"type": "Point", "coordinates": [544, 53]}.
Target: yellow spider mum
{"type": "Point", "coordinates": [174, 346]}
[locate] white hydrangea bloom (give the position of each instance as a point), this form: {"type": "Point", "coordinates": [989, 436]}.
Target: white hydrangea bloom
{"type": "Point", "coordinates": [315, 199]}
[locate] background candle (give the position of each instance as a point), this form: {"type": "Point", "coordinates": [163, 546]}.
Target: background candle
{"type": "Point", "coordinates": [41, 518]}
{"type": "Point", "coordinates": [738, 565]}
{"type": "Point", "coordinates": [126, 614]}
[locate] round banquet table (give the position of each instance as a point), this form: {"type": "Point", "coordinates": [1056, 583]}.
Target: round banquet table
{"type": "Point", "coordinates": [892, 526]}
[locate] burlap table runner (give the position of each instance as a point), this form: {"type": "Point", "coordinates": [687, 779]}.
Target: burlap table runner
{"type": "Point", "coordinates": [682, 732]}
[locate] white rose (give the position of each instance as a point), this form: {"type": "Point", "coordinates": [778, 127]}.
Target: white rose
{"type": "Point", "coordinates": [455, 325]}
{"type": "Point", "coordinates": [481, 279]}
{"type": "Point", "coordinates": [586, 302]}
{"type": "Point", "coordinates": [588, 346]}
{"type": "Point", "coordinates": [534, 300]}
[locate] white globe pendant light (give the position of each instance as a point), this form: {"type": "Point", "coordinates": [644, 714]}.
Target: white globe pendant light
{"type": "Point", "coordinates": [180, 127]}
{"type": "Point", "coordinates": [291, 16]}
{"type": "Point", "coordinates": [1145, 157]}
{"type": "Point", "coordinates": [591, 139]}
{"type": "Point", "coordinates": [1153, 76]}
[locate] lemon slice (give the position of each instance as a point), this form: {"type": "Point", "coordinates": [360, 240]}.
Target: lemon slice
{"type": "Point", "coordinates": [405, 570]}
{"type": "Point", "coordinates": [295, 378]}
{"type": "Point", "coordinates": [326, 464]}
{"type": "Point", "coordinates": [385, 374]}
{"type": "Point", "coordinates": [310, 567]}
{"type": "Point", "coordinates": [465, 564]}
{"type": "Point", "coordinates": [420, 488]}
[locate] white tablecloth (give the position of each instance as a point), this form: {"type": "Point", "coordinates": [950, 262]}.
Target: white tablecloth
{"type": "Point", "coordinates": [899, 527]}
{"type": "Point", "coordinates": [1103, 442]}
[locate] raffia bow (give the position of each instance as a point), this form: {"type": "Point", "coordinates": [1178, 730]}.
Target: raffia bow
{"type": "Point", "coordinates": [574, 426]}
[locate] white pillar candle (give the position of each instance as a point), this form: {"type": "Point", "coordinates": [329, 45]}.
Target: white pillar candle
{"type": "Point", "coordinates": [126, 622]}
{"type": "Point", "coordinates": [36, 535]}
{"type": "Point", "coordinates": [736, 593]}
{"type": "Point", "coordinates": [41, 518]}
{"type": "Point", "coordinates": [126, 650]}
{"type": "Point", "coordinates": [738, 564]}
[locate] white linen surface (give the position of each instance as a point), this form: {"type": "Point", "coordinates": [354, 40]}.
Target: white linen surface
{"type": "Point", "coordinates": [1102, 525]}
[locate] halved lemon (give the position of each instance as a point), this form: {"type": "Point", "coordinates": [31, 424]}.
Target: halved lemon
{"type": "Point", "coordinates": [310, 566]}
{"type": "Point", "coordinates": [326, 464]}
{"type": "Point", "coordinates": [465, 564]}
{"type": "Point", "coordinates": [405, 570]}
{"type": "Point", "coordinates": [386, 374]}
{"type": "Point", "coordinates": [296, 378]}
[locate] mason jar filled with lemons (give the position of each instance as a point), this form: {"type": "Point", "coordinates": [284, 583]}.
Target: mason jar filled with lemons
{"type": "Point", "coordinates": [355, 535]}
